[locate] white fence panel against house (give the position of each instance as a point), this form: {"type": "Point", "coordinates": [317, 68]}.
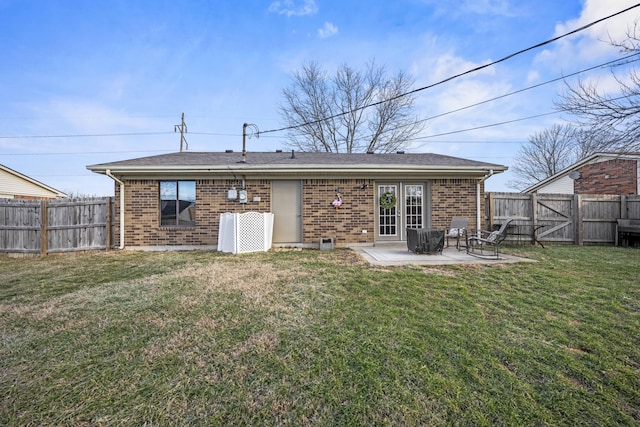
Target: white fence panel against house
{"type": "Point", "coordinates": [245, 232]}
{"type": "Point", "coordinates": [255, 231]}
{"type": "Point", "coordinates": [227, 233]}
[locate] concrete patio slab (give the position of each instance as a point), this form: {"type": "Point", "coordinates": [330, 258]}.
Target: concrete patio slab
{"type": "Point", "coordinates": [398, 254]}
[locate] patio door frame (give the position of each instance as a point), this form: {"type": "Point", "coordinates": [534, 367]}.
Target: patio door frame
{"type": "Point", "coordinates": [400, 210]}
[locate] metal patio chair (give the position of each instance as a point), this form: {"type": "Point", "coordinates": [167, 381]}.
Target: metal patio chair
{"type": "Point", "coordinates": [457, 230]}
{"type": "Point", "coordinates": [486, 244]}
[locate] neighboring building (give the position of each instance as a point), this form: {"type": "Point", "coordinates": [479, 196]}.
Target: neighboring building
{"type": "Point", "coordinates": [600, 173]}
{"type": "Point", "coordinates": [14, 185]}
{"type": "Point", "coordinates": [356, 199]}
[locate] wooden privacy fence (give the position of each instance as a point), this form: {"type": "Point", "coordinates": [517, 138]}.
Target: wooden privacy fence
{"type": "Point", "coordinates": [50, 226]}
{"type": "Point", "coordinates": [560, 218]}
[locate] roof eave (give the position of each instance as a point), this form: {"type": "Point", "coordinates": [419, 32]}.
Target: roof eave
{"type": "Point", "coordinates": [293, 169]}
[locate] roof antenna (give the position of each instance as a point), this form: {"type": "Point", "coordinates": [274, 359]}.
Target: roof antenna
{"type": "Point", "coordinates": [254, 131]}
{"type": "Point", "coordinates": [183, 129]}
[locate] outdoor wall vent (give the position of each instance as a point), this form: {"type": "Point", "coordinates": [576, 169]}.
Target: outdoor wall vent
{"type": "Point", "coordinates": [400, 152]}
{"type": "Point", "coordinates": [278, 151]}
{"type": "Point", "coordinates": [228, 151]}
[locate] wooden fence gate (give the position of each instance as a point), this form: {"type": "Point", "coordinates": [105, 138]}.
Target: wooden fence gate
{"type": "Point", "coordinates": [41, 227]}
{"type": "Point", "coordinates": [560, 218]}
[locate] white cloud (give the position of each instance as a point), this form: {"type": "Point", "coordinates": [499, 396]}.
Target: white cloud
{"type": "Point", "coordinates": [591, 44]}
{"type": "Point", "coordinates": [533, 77]}
{"type": "Point", "coordinates": [327, 30]}
{"type": "Point", "coordinates": [293, 7]}
{"type": "Point", "coordinates": [596, 9]}
{"type": "Point", "coordinates": [447, 64]}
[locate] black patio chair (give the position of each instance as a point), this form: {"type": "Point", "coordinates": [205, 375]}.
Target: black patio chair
{"type": "Point", "coordinates": [486, 244]}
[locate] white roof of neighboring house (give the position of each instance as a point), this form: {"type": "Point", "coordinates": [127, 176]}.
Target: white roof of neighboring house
{"type": "Point", "coordinates": [560, 179]}
{"type": "Point", "coordinates": [14, 184]}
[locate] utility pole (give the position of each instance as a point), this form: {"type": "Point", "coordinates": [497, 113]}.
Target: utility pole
{"type": "Point", "coordinates": [254, 131]}
{"type": "Point", "coordinates": [183, 129]}
{"type": "Point", "coordinates": [244, 143]}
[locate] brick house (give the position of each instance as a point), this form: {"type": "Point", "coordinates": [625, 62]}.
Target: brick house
{"type": "Point", "coordinates": [175, 200]}
{"type": "Point", "coordinates": [600, 173]}
{"type": "Point", "coordinates": [14, 185]}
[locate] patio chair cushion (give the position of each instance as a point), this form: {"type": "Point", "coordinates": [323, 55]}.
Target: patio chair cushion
{"type": "Point", "coordinates": [493, 236]}
{"type": "Point", "coordinates": [454, 232]}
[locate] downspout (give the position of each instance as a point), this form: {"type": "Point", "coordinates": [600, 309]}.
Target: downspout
{"type": "Point", "coordinates": [478, 205]}
{"type": "Point", "coordinates": [110, 175]}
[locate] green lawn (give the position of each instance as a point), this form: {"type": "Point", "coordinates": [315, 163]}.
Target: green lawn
{"type": "Point", "coordinates": [320, 338]}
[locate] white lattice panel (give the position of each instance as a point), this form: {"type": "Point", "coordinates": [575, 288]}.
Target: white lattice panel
{"type": "Point", "coordinates": [246, 232]}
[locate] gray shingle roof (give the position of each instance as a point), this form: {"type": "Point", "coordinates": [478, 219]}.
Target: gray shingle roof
{"type": "Point", "coordinates": [302, 159]}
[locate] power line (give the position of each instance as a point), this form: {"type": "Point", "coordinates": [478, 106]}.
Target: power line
{"type": "Point", "coordinates": [497, 124]}
{"type": "Point", "coordinates": [116, 134]}
{"type": "Point", "coordinates": [94, 135]}
{"type": "Point", "coordinates": [613, 62]}
{"type": "Point", "coordinates": [75, 153]}
{"type": "Point", "coordinates": [473, 70]}
{"type": "Point", "coordinates": [605, 64]}
{"type": "Point", "coordinates": [506, 122]}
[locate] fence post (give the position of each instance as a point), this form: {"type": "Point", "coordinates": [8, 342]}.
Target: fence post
{"type": "Point", "coordinates": [44, 223]}
{"type": "Point", "coordinates": [534, 217]}
{"type": "Point", "coordinates": [577, 219]}
{"type": "Point", "coordinates": [623, 207]}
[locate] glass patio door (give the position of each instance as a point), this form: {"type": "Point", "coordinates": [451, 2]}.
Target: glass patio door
{"type": "Point", "coordinates": [400, 205]}
{"type": "Point", "coordinates": [388, 212]}
{"type": "Point", "coordinates": [413, 206]}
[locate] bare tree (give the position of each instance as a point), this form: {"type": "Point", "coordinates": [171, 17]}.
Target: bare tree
{"type": "Point", "coordinates": [552, 150]}
{"type": "Point", "coordinates": [353, 111]}
{"type": "Point", "coordinates": [545, 154]}
{"type": "Point", "coordinates": [613, 120]}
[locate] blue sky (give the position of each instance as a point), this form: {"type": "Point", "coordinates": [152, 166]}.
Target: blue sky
{"type": "Point", "coordinates": [73, 70]}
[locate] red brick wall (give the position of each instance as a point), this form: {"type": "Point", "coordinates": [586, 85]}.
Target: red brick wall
{"type": "Point", "coordinates": [618, 176]}
{"type": "Point", "coordinates": [142, 218]}
{"type": "Point", "coordinates": [454, 197]}
{"type": "Point", "coordinates": [320, 219]}
{"type": "Point", "coordinates": [344, 224]}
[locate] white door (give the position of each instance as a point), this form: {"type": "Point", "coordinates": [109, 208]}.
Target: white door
{"type": "Point", "coordinates": [388, 212]}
